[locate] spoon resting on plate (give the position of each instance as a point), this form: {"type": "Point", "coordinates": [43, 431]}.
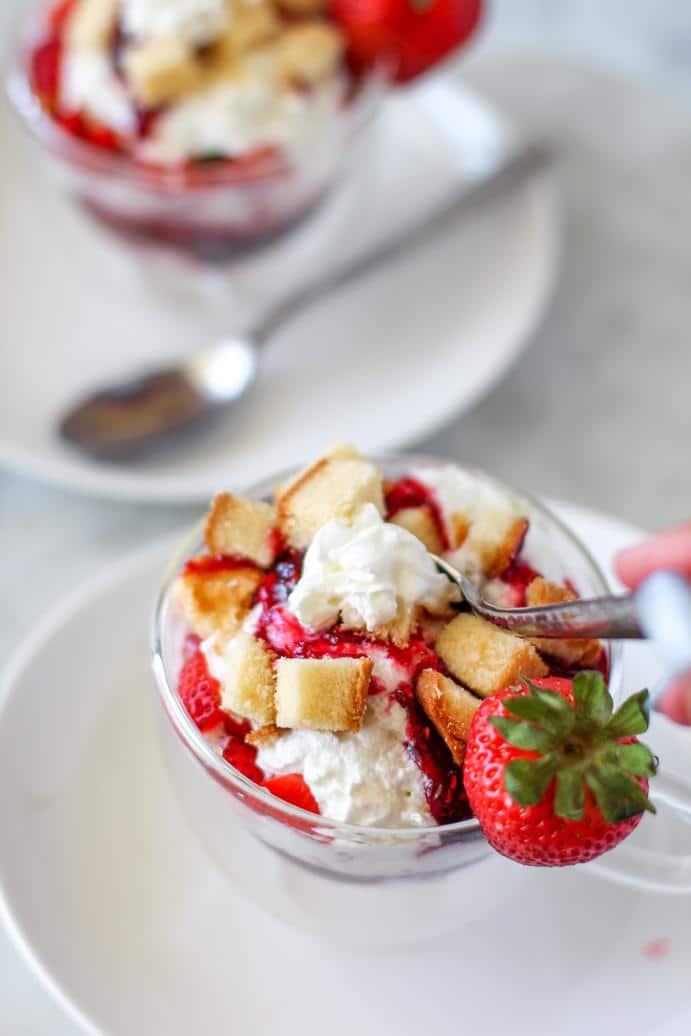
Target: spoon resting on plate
{"type": "Point", "coordinates": [124, 419]}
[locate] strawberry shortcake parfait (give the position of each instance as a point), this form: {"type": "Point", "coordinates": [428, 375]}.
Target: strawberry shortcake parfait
{"type": "Point", "coordinates": [329, 660]}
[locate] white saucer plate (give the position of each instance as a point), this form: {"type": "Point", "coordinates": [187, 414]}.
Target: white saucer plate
{"type": "Point", "coordinates": [386, 362]}
{"type": "Point", "coordinates": [123, 916]}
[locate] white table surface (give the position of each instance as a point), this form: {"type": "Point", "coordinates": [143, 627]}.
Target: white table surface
{"type": "Point", "coordinates": [596, 411]}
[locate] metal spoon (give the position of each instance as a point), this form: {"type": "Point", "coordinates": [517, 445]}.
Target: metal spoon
{"type": "Point", "coordinates": [609, 618]}
{"type": "Point", "coordinates": [120, 420]}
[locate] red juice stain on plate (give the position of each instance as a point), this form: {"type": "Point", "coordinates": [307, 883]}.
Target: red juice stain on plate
{"type": "Point", "coordinates": [656, 949]}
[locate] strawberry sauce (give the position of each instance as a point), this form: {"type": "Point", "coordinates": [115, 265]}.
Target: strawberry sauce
{"type": "Point", "coordinates": [213, 564]}
{"type": "Point", "coordinates": [442, 779]}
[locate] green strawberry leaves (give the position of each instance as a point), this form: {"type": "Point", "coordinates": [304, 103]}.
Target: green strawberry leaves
{"type": "Point", "coordinates": [527, 780]}
{"type": "Point", "coordinates": [569, 795]}
{"type": "Point", "coordinates": [618, 795]}
{"type": "Point", "coordinates": [578, 746]}
{"type": "Point", "coordinates": [592, 697]}
{"type": "Point", "coordinates": [632, 717]}
{"type": "Point", "coordinates": [524, 735]}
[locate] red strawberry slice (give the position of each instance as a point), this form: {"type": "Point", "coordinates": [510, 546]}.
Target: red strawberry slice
{"type": "Point", "coordinates": [200, 693]}
{"type": "Point", "coordinates": [413, 34]}
{"type": "Point", "coordinates": [553, 774]}
{"type": "Point", "coordinates": [45, 71]}
{"type": "Point", "coordinates": [244, 758]}
{"type": "Point", "coordinates": [294, 789]}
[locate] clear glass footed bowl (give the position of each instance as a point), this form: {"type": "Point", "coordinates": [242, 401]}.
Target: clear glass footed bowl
{"type": "Point", "coordinates": [319, 873]}
{"type": "Point", "coordinates": [213, 210]}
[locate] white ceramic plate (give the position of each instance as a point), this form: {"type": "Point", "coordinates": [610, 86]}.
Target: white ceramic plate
{"type": "Point", "coordinates": [115, 906]}
{"type": "Point", "coordinates": [386, 363]}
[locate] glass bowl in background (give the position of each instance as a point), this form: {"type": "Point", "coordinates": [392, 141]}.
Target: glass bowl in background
{"type": "Point", "coordinates": [215, 210]}
{"type": "Point", "coordinates": [321, 874]}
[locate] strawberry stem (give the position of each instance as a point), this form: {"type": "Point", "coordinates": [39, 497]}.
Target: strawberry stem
{"type": "Point", "coordinates": [578, 746]}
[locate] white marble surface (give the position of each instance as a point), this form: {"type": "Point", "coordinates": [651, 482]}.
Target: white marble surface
{"type": "Point", "coordinates": [596, 411]}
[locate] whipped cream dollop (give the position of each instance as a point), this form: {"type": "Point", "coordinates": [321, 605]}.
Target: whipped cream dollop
{"type": "Point", "coordinates": [358, 778]}
{"type": "Point", "coordinates": [89, 83]}
{"type": "Point", "coordinates": [198, 21]}
{"type": "Point", "coordinates": [461, 492]}
{"type": "Point", "coordinates": [364, 571]}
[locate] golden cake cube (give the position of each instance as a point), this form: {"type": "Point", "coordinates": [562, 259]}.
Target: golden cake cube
{"type": "Point", "coordinates": [310, 53]}
{"type": "Point", "coordinates": [249, 687]}
{"type": "Point", "coordinates": [484, 658]}
{"type": "Point", "coordinates": [333, 487]}
{"type": "Point", "coordinates": [242, 528]}
{"type": "Point", "coordinates": [420, 522]}
{"type": "Point", "coordinates": [217, 602]}
{"type": "Point", "coordinates": [450, 708]}
{"type": "Point", "coordinates": [304, 8]}
{"type": "Point", "coordinates": [494, 539]}
{"type": "Point", "coordinates": [570, 652]}
{"type": "Point", "coordinates": [163, 70]}
{"type": "Point", "coordinates": [91, 24]}
{"type": "Point", "coordinates": [322, 693]}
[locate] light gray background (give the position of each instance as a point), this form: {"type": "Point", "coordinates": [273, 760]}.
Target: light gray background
{"type": "Point", "coordinates": [598, 410]}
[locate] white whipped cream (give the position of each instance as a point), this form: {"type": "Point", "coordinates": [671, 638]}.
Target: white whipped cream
{"type": "Point", "coordinates": [89, 84]}
{"type": "Point", "coordinates": [213, 651]}
{"type": "Point", "coordinates": [363, 570]}
{"type": "Point", "coordinates": [459, 492]}
{"type": "Point", "coordinates": [365, 778]}
{"type": "Point", "coordinates": [198, 21]}
{"type": "Point", "coordinates": [236, 117]}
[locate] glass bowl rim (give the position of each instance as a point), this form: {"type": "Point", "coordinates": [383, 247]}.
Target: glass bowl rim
{"type": "Point", "coordinates": [193, 739]}
{"type": "Point", "coordinates": [176, 178]}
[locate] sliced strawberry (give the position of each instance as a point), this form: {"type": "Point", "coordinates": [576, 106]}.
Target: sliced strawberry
{"type": "Point", "coordinates": [200, 693]}
{"type": "Point", "coordinates": [244, 758]}
{"type": "Point", "coordinates": [294, 789]}
{"type": "Point", "coordinates": [413, 34]}
{"type": "Point", "coordinates": [45, 71]}
{"type": "Point", "coordinates": [59, 13]}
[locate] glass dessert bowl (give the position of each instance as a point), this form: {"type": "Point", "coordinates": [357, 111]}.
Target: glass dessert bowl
{"type": "Point", "coordinates": [212, 126]}
{"type": "Point", "coordinates": [343, 758]}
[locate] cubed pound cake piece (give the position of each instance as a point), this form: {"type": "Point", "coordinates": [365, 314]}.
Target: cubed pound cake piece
{"type": "Point", "coordinates": [484, 658]}
{"type": "Point", "coordinates": [309, 53]}
{"type": "Point", "coordinates": [217, 602]}
{"type": "Point", "coordinates": [420, 522]}
{"type": "Point", "coordinates": [333, 487]}
{"type": "Point", "coordinates": [249, 688]}
{"type": "Point", "coordinates": [322, 693]}
{"type": "Point", "coordinates": [400, 629]}
{"type": "Point", "coordinates": [251, 25]}
{"type": "Point", "coordinates": [494, 540]}
{"type": "Point", "coordinates": [162, 70]}
{"type": "Point", "coordinates": [262, 737]}
{"type": "Point", "coordinates": [91, 25]}
{"type": "Point", "coordinates": [450, 708]}
{"type": "Point", "coordinates": [303, 7]}
{"type": "Point", "coordinates": [570, 652]}
{"type": "Point", "coordinates": [242, 528]}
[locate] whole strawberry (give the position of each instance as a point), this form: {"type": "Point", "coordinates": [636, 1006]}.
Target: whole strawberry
{"type": "Point", "coordinates": [553, 774]}
{"type": "Point", "coordinates": [413, 35]}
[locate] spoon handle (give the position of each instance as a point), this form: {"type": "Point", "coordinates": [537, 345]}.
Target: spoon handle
{"type": "Point", "coordinates": [511, 169]}
{"type": "Point", "coordinates": [609, 618]}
